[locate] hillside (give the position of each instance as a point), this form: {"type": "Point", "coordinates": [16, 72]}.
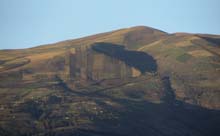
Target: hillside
{"type": "Point", "coordinates": [193, 64]}
{"type": "Point", "coordinates": [134, 81]}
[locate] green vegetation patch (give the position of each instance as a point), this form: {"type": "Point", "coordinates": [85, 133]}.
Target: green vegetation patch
{"type": "Point", "coordinates": [184, 57]}
{"type": "Point", "coordinates": [203, 66]}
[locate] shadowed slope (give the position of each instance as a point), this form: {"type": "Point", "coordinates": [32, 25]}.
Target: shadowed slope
{"type": "Point", "coordinates": [140, 60]}
{"type": "Point", "coordinates": [113, 111]}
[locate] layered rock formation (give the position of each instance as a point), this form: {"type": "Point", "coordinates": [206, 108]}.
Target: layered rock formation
{"type": "Point", "coordinates": [88, 64]}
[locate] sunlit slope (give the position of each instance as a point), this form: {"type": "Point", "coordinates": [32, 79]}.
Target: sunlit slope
{"type": "Point", "coordinates": [193, 63]}
{"type": "Point", "coordinates": [37, 58]}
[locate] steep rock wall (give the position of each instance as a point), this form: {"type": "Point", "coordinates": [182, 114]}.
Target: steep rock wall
{"type": "Point", "coordinates": [87, 64]}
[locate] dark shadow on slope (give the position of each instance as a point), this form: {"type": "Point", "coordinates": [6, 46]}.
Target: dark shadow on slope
{"type": "Point", "coordinates": [140, 60]}
{"type": "Point", "coordinates": [133, 118]}
{"type": "Point", "coordinates": [169, 96]}
{"type": "Point", "coordinates": [215, 41]}
{"type": "Point", "coordinates": [65, 87]}
{"type": "Point", "coordinates": [141, 118]}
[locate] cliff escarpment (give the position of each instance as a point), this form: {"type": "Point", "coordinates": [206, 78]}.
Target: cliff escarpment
{"type": "Point", "coordinates": [108, 61]}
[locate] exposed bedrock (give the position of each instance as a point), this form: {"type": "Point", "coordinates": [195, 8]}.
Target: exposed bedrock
{"type": "Point", "coordinates": [107, 61]}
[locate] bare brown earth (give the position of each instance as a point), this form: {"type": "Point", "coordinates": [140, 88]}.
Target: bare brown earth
{"type": "Point", "coordinates": [131, 82]}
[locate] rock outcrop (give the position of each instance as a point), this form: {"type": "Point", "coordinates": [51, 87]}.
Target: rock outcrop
{"type": "Point", "coordinates": [87, 64]}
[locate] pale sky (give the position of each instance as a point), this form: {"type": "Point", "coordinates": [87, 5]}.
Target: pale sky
{"type": "Point", "coordinates": [28, 23]}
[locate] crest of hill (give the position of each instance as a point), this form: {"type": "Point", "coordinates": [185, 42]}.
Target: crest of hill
{"type": "Point", "coordinates": [130, 37]}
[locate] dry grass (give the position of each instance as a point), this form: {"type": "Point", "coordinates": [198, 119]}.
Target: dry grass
{"type": "Point", "coordinates": [200, 53]}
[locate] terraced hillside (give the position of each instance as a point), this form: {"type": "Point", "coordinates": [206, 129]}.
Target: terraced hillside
{"type": "Point", "coordinates": [135, 81]}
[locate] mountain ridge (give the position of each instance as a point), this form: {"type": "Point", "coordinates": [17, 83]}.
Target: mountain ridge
{"type": "Point", "coordinates": [136, 81]}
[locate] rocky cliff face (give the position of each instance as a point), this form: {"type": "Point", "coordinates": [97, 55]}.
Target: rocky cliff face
{"type": "Point", "coordinates": [88, 64]}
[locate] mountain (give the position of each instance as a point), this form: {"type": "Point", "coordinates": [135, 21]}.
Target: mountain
{"type": "Point", "coordinates": [134, 81]}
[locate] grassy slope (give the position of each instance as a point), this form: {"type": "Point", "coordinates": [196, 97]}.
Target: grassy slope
{"type": "Point", "coordinates": [193, 65]}
{"type": "Point", "coordinates": [38, 56]}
